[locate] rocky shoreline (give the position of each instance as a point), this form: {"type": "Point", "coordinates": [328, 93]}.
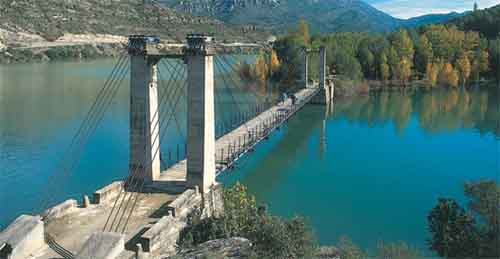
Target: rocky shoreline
{"type": "Point", "coordinates": [53, 53]}
{"type": "Point", "coordinates": [17, 47]}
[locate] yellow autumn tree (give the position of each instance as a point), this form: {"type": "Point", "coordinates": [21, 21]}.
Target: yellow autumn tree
{"type": "Point", "coordinates": [431, 73]}
{"type": "Point", "coordinates": [448, 75]}
{"type": "Point", "coordinates": [261, 69]}
{"type": "Point", "coordinates": [464, 66]}
{"type": "Point", "coordinates": [405, 70]}
{"type": "Point", "coordinates": [275, 63]}
{"type": "Point", "coordinates": [303, 32]}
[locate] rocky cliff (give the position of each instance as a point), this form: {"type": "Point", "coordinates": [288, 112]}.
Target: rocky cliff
{"type": "Point", "coordinates": [51, 19]}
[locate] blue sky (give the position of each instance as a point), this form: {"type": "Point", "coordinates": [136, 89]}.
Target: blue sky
{"type": "Point", "coordinates": [412, 8]}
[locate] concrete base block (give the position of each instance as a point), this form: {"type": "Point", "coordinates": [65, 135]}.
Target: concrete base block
{"type": "Point", "coordinates": [60, 210]}
{"type": "Point", "coordinates": [103, 245]}
{"type": "Point", "coordinates": [213, 202]}
{"type": "Point", "coordinates": [324, 96]}
{"type": "Point", "coordinates": [24, 236]}
{"type": "Point", "coordinates": [108, 192]}
{"type": "Point", "coordinates": [163, 235]}
{"type": "Point", "coordinates": [185, 203]}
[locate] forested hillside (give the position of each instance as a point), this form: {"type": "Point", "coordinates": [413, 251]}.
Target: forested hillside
{"type": "Point", "coordinates": [486, 22]}
{"type": "Point", "coordinates": [436, 55]}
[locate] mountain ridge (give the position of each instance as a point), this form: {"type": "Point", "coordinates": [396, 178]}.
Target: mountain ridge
{"type": "Point", "coordinates": [323, 15]}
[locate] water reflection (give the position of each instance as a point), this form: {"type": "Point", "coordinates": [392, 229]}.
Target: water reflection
{"type": "Point", "coordinates": [436, 110]}
{"type": "Point", "coordinates": [43, 105]}
{"type": "Point", "coordinates": [372, 167]}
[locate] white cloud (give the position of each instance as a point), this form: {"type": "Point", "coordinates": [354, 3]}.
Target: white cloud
{"type": "Point", "coordinates": [411, 8]}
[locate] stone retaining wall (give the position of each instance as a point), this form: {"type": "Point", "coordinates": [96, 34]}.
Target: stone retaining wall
{"type": "Point", "coordinates": [162, 237]}
{"type": "Point", "coordinates": [107, 193]}
{"type": "Point", "coordinates": [60, 210]}
{"type": "Point", "coordinates": [25, 236]}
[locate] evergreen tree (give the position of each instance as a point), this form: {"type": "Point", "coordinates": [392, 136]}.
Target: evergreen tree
{"type": "Point", "coordinates": [424, 54]}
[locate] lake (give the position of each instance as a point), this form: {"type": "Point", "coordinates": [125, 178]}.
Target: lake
{"type": "Point", "coordinates": [369, 167]}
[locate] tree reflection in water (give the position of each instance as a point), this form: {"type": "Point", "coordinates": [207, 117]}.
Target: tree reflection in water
{"type": "Point", "coordinates": [436, 110]}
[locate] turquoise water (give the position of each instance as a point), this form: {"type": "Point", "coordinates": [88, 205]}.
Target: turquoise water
{"type": "Point", "coordinates": [370, 168]}
{"type": "Point", "coordinates": [41, 109]}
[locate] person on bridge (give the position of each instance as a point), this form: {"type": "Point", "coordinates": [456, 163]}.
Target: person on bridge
{"type": "Point", "coordinates": [283, 98]}
{"type": "Point", "coordinates": [294, 99]}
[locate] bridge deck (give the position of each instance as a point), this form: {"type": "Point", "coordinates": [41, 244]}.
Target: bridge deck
{"type": "Point", "coordinates": [72, 230]}
{"type": "Point", "coordinates": [230, 147]}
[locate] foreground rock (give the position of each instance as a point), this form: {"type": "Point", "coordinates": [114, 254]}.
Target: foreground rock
{"type": "Point", "coordinates": [230, 248]}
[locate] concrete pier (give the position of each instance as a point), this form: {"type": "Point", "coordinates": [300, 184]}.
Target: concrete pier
{"type": "Point", "coordinates": [201, 113]}
{"type": "Point", "coordinates": [144, 117]}
{"type": "Point", "coordinates": [322, 67]}
{"type": "Point", "coordinates": [325, 94]}
{"type": "Point", "coordinates": [162, 207]}
{"type": "Point", "coordinates": [305, 67]}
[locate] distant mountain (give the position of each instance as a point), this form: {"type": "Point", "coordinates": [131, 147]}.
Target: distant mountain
{"type": "Point", "coordinates": [281, 15]}
{"type": "Point", "coordinates": [430, 18]}
{"type": "Point", "coordinates": [51, 19]}
{"type": "Point", "coordinates": [486, 22]}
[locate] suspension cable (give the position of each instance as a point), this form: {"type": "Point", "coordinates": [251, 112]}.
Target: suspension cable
{"type": "Point", "coordinates": [132, 175]}
{"type": "Point", "coordinates": [142, 184]}
{"type": "Point", "coordinates": [93, 117]}
{"type": "Point", "coordinates": [133, 179]}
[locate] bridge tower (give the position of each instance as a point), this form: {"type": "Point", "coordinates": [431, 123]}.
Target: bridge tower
{"type": "Point", "coordinates": [199, 57]}
{"type": "Point", "coordinates": [144, 115]}
{"type": "Point", "coordinates": [325, 94]}
{"type": "Point", "coordinates": [305, 66]}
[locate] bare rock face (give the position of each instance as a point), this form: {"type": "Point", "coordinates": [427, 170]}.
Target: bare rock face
{"type": "Point", "coordinates": [219, 8]}
{"type": "Point", "coordinates": [230, 248]}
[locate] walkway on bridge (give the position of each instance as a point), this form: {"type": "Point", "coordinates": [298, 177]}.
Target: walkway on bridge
{"type": "Point", "coordinates": [72, 230]}
{"type": "Point", "coordinates": [230, 147]}
{"type": "Point", "coordinates": [148, 197]}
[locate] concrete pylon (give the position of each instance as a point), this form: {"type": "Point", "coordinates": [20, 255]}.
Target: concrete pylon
{"type": "Point", "coordinates": [144, 127]}
{"type": "Point", "coordinates": [325, 93]}
{"type": "Point", "coordinates": [201, 113]}
{"type": "Point", "coordinates": [322, 67]}
{"type": "Point", "coordinates": [305, 66]}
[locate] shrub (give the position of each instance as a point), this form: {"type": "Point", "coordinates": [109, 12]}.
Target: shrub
{"type": "Point", "coordinates": [272, 237]}
{"type": "Point", "coordinates": [472, 233]}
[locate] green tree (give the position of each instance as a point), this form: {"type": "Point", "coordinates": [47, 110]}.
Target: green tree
{"type": "Point", "coordinates": [399, 250]}
{"type": "Point", "coordinates": [484, 202]}
{"type": "Point", "coordinates": [349, 250]}
{"type": "Point", "coordinates": [494, 54]}
{"type": "Point", "coordinates": [480, 63]}
{"type": "Point", "coordinates": [393, 60]}
{"type": "Point", "coordinates": [347, 65]}
{"type": "Point", "coordinates": [475, 233]}
{"type": "Point", "coordinates": [423, 54]}
{"type": "Point", "coordinates": [384, 69]}
{"type": "Point", "coordinates": [367, 60]}
{"type": "Point", "coordinates": [403, 44]}
{"type": "Point", "coordinates": [272, 237]}
{"type": "Point", "coordinates": [453, 232]}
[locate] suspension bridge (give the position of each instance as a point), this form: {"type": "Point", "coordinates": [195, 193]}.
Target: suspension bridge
{"type": "Point", "coordinates": [143, 215]}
